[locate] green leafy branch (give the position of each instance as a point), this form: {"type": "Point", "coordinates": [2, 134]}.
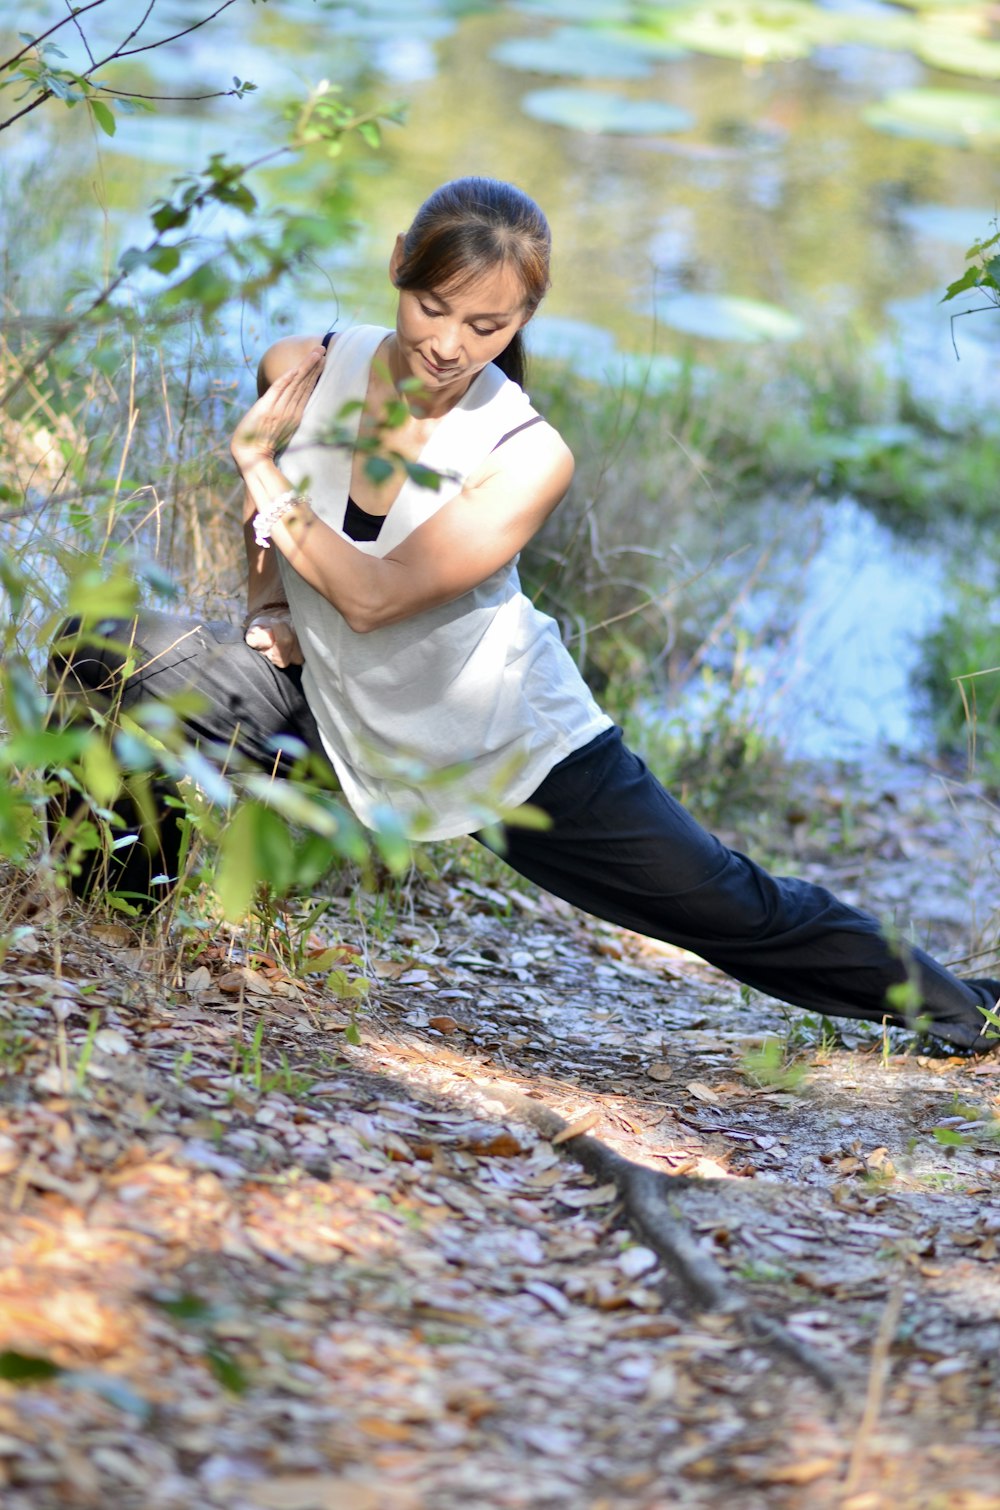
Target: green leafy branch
{"type": "Point", "coordinates": [36, 66]}
{"type": "Point", "coordinates": [982, 274]}
{"type": "Point", "coordinates": [322, 117]}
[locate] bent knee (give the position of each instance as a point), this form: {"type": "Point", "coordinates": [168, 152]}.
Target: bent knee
{"type": "Point", "coordinates": [90, 657]}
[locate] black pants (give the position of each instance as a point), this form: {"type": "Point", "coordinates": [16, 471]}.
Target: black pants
{"type": "Point", "coordinates": [619, 845]}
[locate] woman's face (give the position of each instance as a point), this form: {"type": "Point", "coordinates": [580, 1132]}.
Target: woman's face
{"type": "Point", "coordinates": [446, 336]}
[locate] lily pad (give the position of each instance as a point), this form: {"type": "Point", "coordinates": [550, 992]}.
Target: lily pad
{"type": "Point", "coordinates": [943, 5]}
{"type": "Point", "coordinates": [576, 10]}
{"type": "Point", "coordinates": [596, 114]}
{"type": "Point", "coordinates": [563, 339]}
{"type": "Point", "coordinates": [951, 117]}
{"type": "Point", "coordinates": [952, 52]}
{"type": "Point", "coordinates": [651, 37]}
{"type": "Point", "coordinates": [870, 29]}
{"type": "Point", "coordinates": [576, 51]}
{"type": "Point", "coordinates": [756, 30]}
{"type": "Point", "coordinates": [727, 317]}
{"type": "Point", "coordinates": [373, 28]}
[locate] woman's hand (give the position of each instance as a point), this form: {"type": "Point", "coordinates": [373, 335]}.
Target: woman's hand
{"type": "Point", "coordinates": [270, 423]}
{"type": "Point", "coordinates": [272, 633]}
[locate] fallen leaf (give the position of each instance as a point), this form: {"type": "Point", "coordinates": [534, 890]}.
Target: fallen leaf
{"type": "Point", "coordinates": [242, 979]}
{"type": "Point", "coordinates": [443, 1024]}
{"type": "Point", "coordinates": [309, 1491]}
{"type": "Point", "coordinates": [549, 1296]}
{"type": "Point", "coordinates": [598, 1196]}
{"type": "Point", "coordinates": [503, 1146]}
{"type": "Point", "coordinates": [659, 1070]}
{"type": "Point", "coordinates": [577, 1128]}
{"type": "Point", "coordinates": [637, 1260]}
{"type": "Point", "coordinates": [110, 1041]}
{"type": "Point", "coordinates": [799, 1473]}
{"type": "Point", "coordinates": [110, 933]}
{"type": "Point", "coordinates": [383, 1430]}
{"type": "Point", "coordinates": [703, 1092]}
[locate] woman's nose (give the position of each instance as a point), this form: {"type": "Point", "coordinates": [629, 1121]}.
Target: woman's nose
{"type": "Point", "coordinates": [448, 341]}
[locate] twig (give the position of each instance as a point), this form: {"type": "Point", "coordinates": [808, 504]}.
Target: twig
{"type": "Point", "coordinates": [877, 1375]}
{"type": "Point", "coordinates": [73, 18]}
{"type": "Point", "coordinates": [647, 1196]}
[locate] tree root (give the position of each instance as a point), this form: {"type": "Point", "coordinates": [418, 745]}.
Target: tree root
{"type": "Point", "coordinates": [647, 1197]}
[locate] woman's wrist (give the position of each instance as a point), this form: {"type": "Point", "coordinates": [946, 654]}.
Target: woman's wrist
{"type": "Point", "coordinates": [272, 511]}
{"type": "Point", "coordinates": [249, 462]}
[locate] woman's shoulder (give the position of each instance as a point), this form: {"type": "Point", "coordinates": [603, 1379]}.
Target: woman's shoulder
{"type": "Point", "coordinates": [285, 354]}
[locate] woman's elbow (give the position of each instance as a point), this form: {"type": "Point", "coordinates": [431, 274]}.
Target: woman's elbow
{"type": "Point", "coordinates": [359, 619]}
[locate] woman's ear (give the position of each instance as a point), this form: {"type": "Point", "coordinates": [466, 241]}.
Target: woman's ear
{"type": "Point", "coordinates": [396, 260]}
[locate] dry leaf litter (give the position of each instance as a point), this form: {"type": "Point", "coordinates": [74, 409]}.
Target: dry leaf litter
{"type": "Point", "coordinates": [247, 1261]}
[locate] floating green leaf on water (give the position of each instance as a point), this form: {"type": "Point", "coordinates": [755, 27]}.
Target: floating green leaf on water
{"type": "Point", "coordinates": [728, 317]}
{"type": "Point", "coordinates": [952, 52]}
{"type": "Point", "coordinates": [894, 33]}
{"type": "Point", "coordinates": [951, 117]}
{"type": "Point", "coordinates": [755, 30]}
{"type": "Point", "coordinates": [559, 338]}
{"type": "Point", "coordinates": [597, 114]}
{"type": "Point", "coordinates": [943, 5]}
{"type": "Point", "coordinates": [651, 36]}
{"type": "Point", "coordinates": [576, 10]}
{"type": "Point", "coordinates": [574, 51]}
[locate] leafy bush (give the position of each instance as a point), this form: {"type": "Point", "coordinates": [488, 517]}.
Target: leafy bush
{"type": "Point", "coordinates": [960, 678]}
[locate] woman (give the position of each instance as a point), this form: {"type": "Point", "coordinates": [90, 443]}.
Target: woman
{"type": "Point", "coordinates": [431, 683]}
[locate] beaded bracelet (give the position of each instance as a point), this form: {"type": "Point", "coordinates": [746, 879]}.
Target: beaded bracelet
{"type": "Point", "coordinates": [265, 519]}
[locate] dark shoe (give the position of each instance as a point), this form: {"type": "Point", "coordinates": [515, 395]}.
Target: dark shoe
{"type": "Point", "coordinates": [989, 1038]}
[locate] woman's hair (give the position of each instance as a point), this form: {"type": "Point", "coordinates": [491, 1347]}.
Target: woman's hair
{"type": "Point", "coordinates": [468, 227]}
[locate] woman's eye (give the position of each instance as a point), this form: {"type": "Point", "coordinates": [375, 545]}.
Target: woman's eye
{"type": "Point", "coordinates": [477, 332]}
{"type": "Point", "coordinates": [428, 311]}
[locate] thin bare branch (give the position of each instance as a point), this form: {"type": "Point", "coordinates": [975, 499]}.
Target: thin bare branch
{"type": "Point", "coordinates": [187, 30]}
{"type": "Point", "coordinates": [135, 30]}
{"type": "Point", "coordinates": [80, 10]}
{"type": "Point", "coordinates": [120, 51]}
{"type": "Point", "coordinates": [74, 17]}
{"type": "Point", "coordinates": [133, 94]}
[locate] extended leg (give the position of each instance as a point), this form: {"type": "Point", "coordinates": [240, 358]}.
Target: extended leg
{"type": "Point", "coordinates": [622, 848]}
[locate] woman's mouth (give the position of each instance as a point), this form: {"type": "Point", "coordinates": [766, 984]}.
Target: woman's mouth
{"type": "Point", "coordinates": [438, 370]}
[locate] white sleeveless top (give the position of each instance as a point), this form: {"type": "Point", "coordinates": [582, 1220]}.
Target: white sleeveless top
{"type": "Point", "coordinates": [455, 715]}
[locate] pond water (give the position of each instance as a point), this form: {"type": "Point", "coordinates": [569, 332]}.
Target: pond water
{"type": "Point", "coordinates": [718, 176]}
{"type": "Point", "coordinates": [833, 628]}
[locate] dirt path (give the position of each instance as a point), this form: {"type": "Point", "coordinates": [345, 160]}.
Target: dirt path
{"type": "Point", "coordinates": [315, 1274]}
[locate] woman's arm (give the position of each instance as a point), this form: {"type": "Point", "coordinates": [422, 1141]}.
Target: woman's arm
{"type": "Point", "coordinates": [462, 544]}
{"type": "Point", "coordinates": [267, 623]}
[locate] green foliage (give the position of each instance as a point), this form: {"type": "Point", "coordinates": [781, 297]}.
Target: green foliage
{"type": "Point", "coordinates": [959, 676]}
{"type": "Point", "coordinates": [39, 71]}
{"type": "Point", "coordinates": [197, 1316]}
{"type": "Point", "coordinates": [26, 1368]}
{"type": "Point", "coordinates": [768, 1065]}
{"type": "Point", "coordinates": [992, 1019]}
{"type": "Point", "coordinates": [110, 382]}
{"type": "Point", "coordinates": [982, 273]}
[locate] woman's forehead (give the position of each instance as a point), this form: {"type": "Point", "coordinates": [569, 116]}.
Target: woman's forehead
{"type": "Point", "coordinates": [494, 290]}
